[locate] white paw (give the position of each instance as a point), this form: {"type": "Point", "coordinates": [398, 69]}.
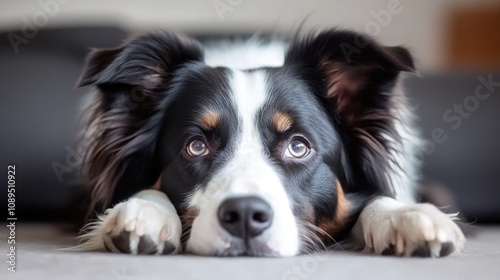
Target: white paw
{"type": "Point", "coordinates": [137, 226]}
{"type": "Point", "coordinates": [418, 230]}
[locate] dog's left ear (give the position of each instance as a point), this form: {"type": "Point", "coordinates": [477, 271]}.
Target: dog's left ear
{"type": "Point", "coordinates": [356, 77]}
{"type": "Point", "coordinates": [353, 66]}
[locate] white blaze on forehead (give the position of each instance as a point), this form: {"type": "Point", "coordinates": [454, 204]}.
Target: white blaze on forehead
{"type": "Point", "coordinates": [245, 54]}
{"type": "Point", "coordinates": [247, 173]}
{"type": "Point", "coordinates": [249, 90]}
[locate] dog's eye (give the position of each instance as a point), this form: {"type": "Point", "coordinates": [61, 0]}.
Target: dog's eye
{"type": "Point", "coordinates": [197, 148]}
{"type": "Point", "coordinates": [297, 148]}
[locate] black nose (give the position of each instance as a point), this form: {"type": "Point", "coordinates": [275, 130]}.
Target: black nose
{"type": "Point", "coordinates": [245, 217]}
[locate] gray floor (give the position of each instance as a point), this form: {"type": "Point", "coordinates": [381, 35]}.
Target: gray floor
{"type": "Point", "coordinates": [38, 258]}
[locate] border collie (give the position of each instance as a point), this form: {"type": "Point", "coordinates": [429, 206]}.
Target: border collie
{"type": "Point", "coordinates": [256, 148]}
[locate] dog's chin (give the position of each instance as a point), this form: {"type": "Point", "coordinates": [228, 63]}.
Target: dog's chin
{"type": "Point", "coordinates": [249, 248]}
{"type": "Point", "coordinates": [237, 247]}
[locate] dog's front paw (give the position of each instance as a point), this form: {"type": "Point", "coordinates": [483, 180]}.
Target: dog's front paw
{"type": "Point", "coordinates": [418, 230]}
{"type": "Point", "coordinates": [140, 226]}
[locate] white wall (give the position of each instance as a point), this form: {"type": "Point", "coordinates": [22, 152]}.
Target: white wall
{"type": "Point", "coordinates": [418, 25]}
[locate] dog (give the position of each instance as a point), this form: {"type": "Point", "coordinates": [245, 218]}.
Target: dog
{"type": "Point", "coordinates": [256, 148]}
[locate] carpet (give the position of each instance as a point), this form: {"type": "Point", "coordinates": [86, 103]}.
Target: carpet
{"type": "Point", "coordinates": [37, 258]}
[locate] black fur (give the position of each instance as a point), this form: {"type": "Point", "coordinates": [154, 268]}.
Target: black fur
{"type": "Point", "coordinates": [132, 82]}
{"type": "Point", "coordinates": [195, 88]}
{"type": "Point", "coordinates": [360, 109]}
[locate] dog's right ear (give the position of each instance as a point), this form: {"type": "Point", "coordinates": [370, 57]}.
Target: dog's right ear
{"type": "Point", "coordinates": [125, 119]}
{"type": "Point", "coordinates": [144, 61]}
{"type": "Point", "coordinates": [97, 60]}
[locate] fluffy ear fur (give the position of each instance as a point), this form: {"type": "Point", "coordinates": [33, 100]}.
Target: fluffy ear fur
{"type": "Point", "coordinates": [355, 77]}
{"type": "Point", "coordinates": [123, 124]}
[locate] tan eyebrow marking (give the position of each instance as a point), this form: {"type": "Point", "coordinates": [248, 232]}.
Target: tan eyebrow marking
{"type": "Point", "coordinates": [282, 122]}
{"type": "Point", "coordinates": [209, 120]}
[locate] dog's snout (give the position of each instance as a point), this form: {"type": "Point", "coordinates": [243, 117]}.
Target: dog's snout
{"type": "Point", "coordinates": [245, 217]}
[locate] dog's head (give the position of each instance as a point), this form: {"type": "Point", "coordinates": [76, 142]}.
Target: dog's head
{"type": "Point", "coordinates": [257, 162]}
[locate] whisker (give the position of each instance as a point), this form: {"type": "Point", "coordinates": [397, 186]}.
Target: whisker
{"type": "Point", "coordinates": [311, 240]}
{"type": "Point", "coordinates": [313, 231]}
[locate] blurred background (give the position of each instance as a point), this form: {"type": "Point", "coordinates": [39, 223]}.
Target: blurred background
{"type": "Point", "coordinates": [456, 44]}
